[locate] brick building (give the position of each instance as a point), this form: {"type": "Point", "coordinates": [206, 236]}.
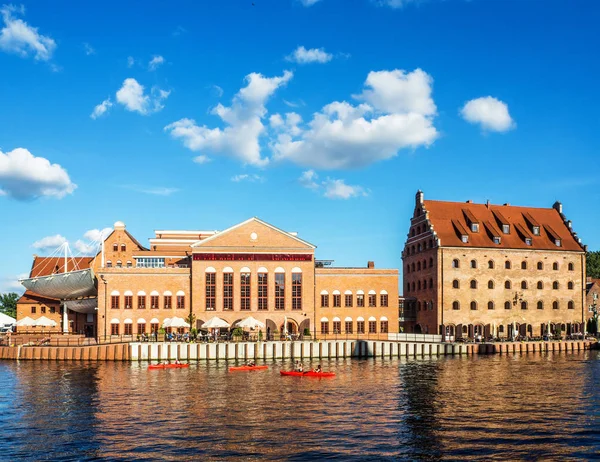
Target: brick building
{"type": "Point", "coordinates": [592, 291]}
{"type": "Point", "coordinates": [487, 270]}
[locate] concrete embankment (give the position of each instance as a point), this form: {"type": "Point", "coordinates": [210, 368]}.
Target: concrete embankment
{"type": "Point", "coordinates": [281, 350]}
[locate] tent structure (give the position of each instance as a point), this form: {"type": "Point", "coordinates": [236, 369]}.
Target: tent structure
{"type": "Point", "coordinates": [250, 323]}
{"type": "Point", "coordinates": [63, 286]}
{"type": "Point", "coordinates": [215, 323]}
{"type": "Point", "coordinates": [25, 322]}
{"type": "Point", "coordinates": [6, 320]}
{"type": "Point", "coordinates": [45, 322]}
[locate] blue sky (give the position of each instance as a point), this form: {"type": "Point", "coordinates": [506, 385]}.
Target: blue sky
{"type": "Point", "coordinates": [148, 113]}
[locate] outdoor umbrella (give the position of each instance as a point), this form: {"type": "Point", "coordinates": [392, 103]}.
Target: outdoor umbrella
{"type": "Point", "coordinates": [250, 323]}
{"type": "Point", "coordinates": [45, 322]}
{"type": "Point", "coordinates": [215, 323]}
{"type": "Point", "coordinates": [26, 321]}
{"type": "Point", "coordinates": [167, 323]}
{"type": "Point", "coordinates": [6, 320]}
{"type": "Point", "coordinates": [177, 322]}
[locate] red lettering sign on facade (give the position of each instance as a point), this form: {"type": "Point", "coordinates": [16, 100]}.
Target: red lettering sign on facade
{"type": "Point", "coordinates": [252, 257]}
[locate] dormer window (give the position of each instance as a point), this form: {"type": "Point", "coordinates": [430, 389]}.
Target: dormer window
{"type": "Point", "coordinates": [475, 227]}
{"type": "Point", "coordinates": [536, 230]}
{"type": "Point", "coordinates": [497, 240]}
{"type": "Point", "coordinates": [527, 241]}
{"type": "Point", "coordinates": [465, 238]}
{"type": "Point", "coordinates": [506, 229]}
{"type": "Point", "coordinates": [557, 242]}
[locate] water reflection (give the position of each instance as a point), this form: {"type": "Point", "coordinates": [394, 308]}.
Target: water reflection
{"type": "Point", "coordinates": [495, 407]}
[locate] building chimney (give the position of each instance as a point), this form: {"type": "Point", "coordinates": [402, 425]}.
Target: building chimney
{"type": "Point", "coordinates": [487, 203]}
{"type": "Point", "coordinates": [558, 207]}
{"type": "Point", "coordinates": [370, 264]}
{"type": "Point", "coordinates": [469, 201]}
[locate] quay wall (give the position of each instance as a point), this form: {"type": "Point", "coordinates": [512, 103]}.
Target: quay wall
{"type": "Point", "coordinates": [280, 350]}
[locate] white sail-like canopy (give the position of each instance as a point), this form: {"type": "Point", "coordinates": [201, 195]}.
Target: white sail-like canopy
{"type": "Point", "coordinates": [45, 322]}
{"type": "Point", "coordinates": [6, 320]}
{"type": "Point", "coordinates": [63, 286]}
{"type": "Point", "coordinates": [215, 323]}
{"type": "Point", "coordinates": [250, 323]}
{"type": "Point", "coordinates": [26, 321]}
{"type": "Point", "coordinates": [177, 322]}
{"type": "Point", "coordinates": [86, 305]}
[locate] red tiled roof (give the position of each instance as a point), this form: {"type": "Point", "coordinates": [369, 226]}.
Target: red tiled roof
{"type": "Point", "coordinates": [45, 266]}
{"type": "Point", "coordinates": [448, 218]}
{"type": "Point", "coordinates": [31, 297]}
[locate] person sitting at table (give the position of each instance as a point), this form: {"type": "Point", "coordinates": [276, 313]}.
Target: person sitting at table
{"type": "Point", "coordinates": [318, 369]}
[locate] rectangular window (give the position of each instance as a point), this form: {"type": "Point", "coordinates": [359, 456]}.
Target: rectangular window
{"type": "Point", "coordinates": [154, 302]}
{"type": "Point", "coordinates": [527, 241]}
{"type": "Point", "coordinates": [360, 327]}
{"type": "Point", "coordinates": [147, 262]}
{"type": "Point", "coordinates": [465, 238]}
{"type": "Point", "coordinates": [348, 327]}
{"type": "Point", "coordinates": [245, 291]}
{"type": "Point", "coordinates": [141, 328]}
{"type": "Point", "coordinates": [280, 291]}
{"type": "Point", "coordinates": [227, 291]}
{"type": "Point", "coordinates": [475, 227]}
{"type": "Point", "coordinates": [141, 302]}
{"type": "Point", "coordinates": [384, 300]}
{"type": "Point", "coordinates": [33, 310]}
{"type": "Point", "coordinates": [114, 329]}
{"type": "Point", "coordinates": [557, 242]}
{"type": "Point", "coordinates": [360, 300]}
{"type": "Point", "coordinates": [296, 291]}
{"type": "Point", "coordinates": [128, 302]}
{"type": "Point", "coordinates": [506, 229]}
{"type": "Point", "coordinates": [263, 291]}
{"type": "Point", "coordinates": [337, 327]}
{"type": "Point", "coordinates": [52, 310]}
{"type": "Point", "coordinates": [211, 291]}
{"type": "Point", "coordinates": [497, 240]}
{"type": "Point", "coordinates": [114, 302]}
{"type": "Point", "coordinates": [384, 327]}
{"type": "Point", "coordinates": [168, 299]}
{"type": "Point", "coordinates": [325, 300]}
{"type": "Point", "coordinates": [154, 328]}
{"type": "Point", "coordinates": [372, 327]}
{"type": "Point", "coordinates": [128, 329]}
{"type": "Point", "coordinates": [536, 230]}
{"type": "Point", "coordinates": [43, 309]}
{"type": "Point", "coordinates": [180, 302]}
{"type": "Point", "coordinates": [324, 327]}
{"type": "Point", "coordinates": [348, 300]}
{"type": "Point", "coordinates": [372, 300]}
{"type": "Point", "coordinates": [337, 300]}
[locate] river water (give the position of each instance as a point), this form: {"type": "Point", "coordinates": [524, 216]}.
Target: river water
{"type": "Point", "coordinates": [536, 406]}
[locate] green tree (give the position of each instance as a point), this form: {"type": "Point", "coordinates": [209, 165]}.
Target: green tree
{"type": "Point", "coordinates": [8, 304]}
{"type": "Point", "coordinates": [191, 319]}
{"type": "Point", "coordinates": [592, 266]}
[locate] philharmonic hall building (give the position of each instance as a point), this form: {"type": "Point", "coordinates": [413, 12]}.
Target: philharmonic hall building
{"type": "Point", "coordinates": [493, 270]}
{"type": "Point", "coordinates": [252, 268]}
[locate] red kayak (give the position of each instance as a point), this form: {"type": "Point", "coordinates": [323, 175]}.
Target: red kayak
{"type": "Point", "coordinates": [247, 368]}
{"type": "Point", "coordinates": [168, 366]}
{"type": "Point", "coordinates": [308, 374]}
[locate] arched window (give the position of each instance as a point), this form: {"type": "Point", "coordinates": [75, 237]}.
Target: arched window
{"type": "Point", "coordinates": [473, 305]}
{"type": "Point", "coordinates": [473, 284]}
{"type": "Point", "coordinates": [431, 243]}
{"type": "Point", "coordinates": [571, 305]}
{"type": "Point", "coordinates": [424, 264]}
{"type": "Point", "coordinates": [570, 285]}
{"type": "Point", "coordinates": [507, 264]}
{"type": "Point", "coordinates": [412, 232]}
{"type": "Point", "coordinates": [418, 266]}
{"type": "Point", "coordinates": [473, 263]}
{"type": "Point", "coordinates": [408, 287]}
{"type": "Point", "coordinates": [419, 285]}
{"type": "Point", "coordinates": [455, 284]}
{"type": "Point", "coordinates": [412, 250]}
{"type": "Point", "coordinates": [540, 265]}
{"type": "Point", "coordinates": [123, 247]}
{"type": "Point", "coordinates": [490, 305]}
{"type": "Point", "coordinates": [418, 230]}
{"type": "Point", "coordinates": [490, 284]}
{"type": "Point", "coordinates": [419, 247]}
{"type": "Point", "coordinates": [455, 263]}
{"type": "Point", "coordinates": [455, 305]}
{"type": "Point", "coordinates": [555, 285]}
{"type": "Point", "coordinates": [555, 305]}
{"type": "Point", "coordinates": [571, 267]}
{"type": "Point", "coordinates": [491, 264]}
{"type": "Point", "coordinates": [109, 264]}
{"type": "Point", "coordinates": [507, 285]}
{"type": "Point", "coordinates": [115, 247]}
{"type": "Point", "coordinates": [540, 285]}
{"type": "Point", "coordinates": [119, 264]}
{"type": "Point", "coordinates": [407, 269]}
{"type": "Point", "coordinates": [431, 283]}
{"type": "Point", "coordinates": [431, 262]}
{"type": "Point", "coordinates": [555, 266]}
{"type": "Point", "coordinates": [413, 286]}
{"type": "Point", "coordinates": [507, 305]}
{"type": "Point", "coordinates": [500, 329]}
{"type": "Point", "coordinates": [540, 305]}
{"type": "Point", "coordinates": [523, 285]}
{"type": "Point", "coordinates": [413, 268]}
{"type": "Point", "coordinates": [524, 265]}
{"type": "Point", "coordinates": [418, 306]}
{"type": "Point", "coordinates": [523, 305]}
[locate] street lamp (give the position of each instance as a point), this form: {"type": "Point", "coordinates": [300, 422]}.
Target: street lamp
{"type": "Point", "coordinates": [105, 289]}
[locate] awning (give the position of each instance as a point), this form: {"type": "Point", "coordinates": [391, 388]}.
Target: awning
{"type": "Point", "coordinates": [63, 286]}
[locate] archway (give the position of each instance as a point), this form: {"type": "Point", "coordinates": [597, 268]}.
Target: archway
{"type": "Point", "coordinates": [305, 324]}
{"type": "Point", "coordinates": [271, 328]}
{"type": "Point", "coordinates": [418, 329]}
{"type": "Point", "coordinates": [292, 327]}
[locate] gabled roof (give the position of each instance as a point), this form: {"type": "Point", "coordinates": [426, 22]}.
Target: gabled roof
{"type": "Point", "coordinates": [449, 219]}
{"type": "Point", "coordinates": [130, 236]}
{"type": "Point", "coordinates": [206, 242]}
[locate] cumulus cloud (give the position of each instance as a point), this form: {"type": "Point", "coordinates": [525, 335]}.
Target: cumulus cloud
{"type": "Point", "coordinates": [330, 187]}
{"type": "Point", "coordinates": [397, 113]}
{"type": "Point", "coordinates": [89, 50]}
{"type": "Point", "coordinates": [313, 55]}
{"type": "Point", "coordinates": [253, 178]}
{"type": "Point", "coordinates": [92, 240]}
{"type": "Point", "coordinates": [155, 62]}
{"type": "Point", "coordinates": [49, 242]}
{"type": "Point", "coordinates": [132, 96]}
{"type": "Point", "coordinates": [243, 122]}
{"type": "Point", "coordinates": [489, 112]}
{"type": "Point", "coordinates": [101, 108]}
{"type": "Point", "coordinates": [24, 176]}
{"type": "Point", "coordinates": [20, 38]}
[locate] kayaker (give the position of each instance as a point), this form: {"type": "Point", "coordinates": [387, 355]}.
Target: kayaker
{"type": "Point", "coordinates": [177, 361]}
{"type": "Point", "coordinates": [318, 369]}
{"type": "Point", "coordinates": [251, 364]}
{"type": "Point", "coordinates": [300, 368]}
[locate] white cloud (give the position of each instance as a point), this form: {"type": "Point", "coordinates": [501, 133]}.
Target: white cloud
{"type": "Point", "coordinates": [489, 112]}
{"type": "Point", "coordinates": [397, 3]}
{"type": "Point", "coordinates": [131, 95]}
{"type": "Point", "coordinates": [201, 159]}
{"type": "Point", "coordinates": [22, 39]}
{"type": "Point", "coordinates": [276, 121]}
{"type": "Point", "coordinates": [293, 104]}
{"type": "Point", "coordinates": [49, 242]}
{"type": "Point", "coordinates": [88, 49]}
{"type": "Point", "coordinates": [24, 176]}
{"type": "Point", "coordinates": [313, 55]}
{"type": "Point", "coordinates": [246, 177]}
{"type": "Point", "coordinates": [216, 91]}
{"type": "Point", "coordinates": [130, 61]}
{"type": "Point", "coordinates": [243, 122]}
{"type": "Point", "coordinates": [101, 108]}
{"type": "Point", "coordinates": [97, 235]}
{"type": "Point", "coordinates": [12, 284]}
{"type": "Point", "coordinates": [397, 113]}
{"type": "Point", "coordinates": [155, 191]}
{"type": "Point", "coordinates": [331, 188]}
{"type": "Point", "coordinates": [155, 62]}
{"type": "Point", "coordinates": [309, 2]}
{"type": "Point", "coordinates": [93, 240]}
